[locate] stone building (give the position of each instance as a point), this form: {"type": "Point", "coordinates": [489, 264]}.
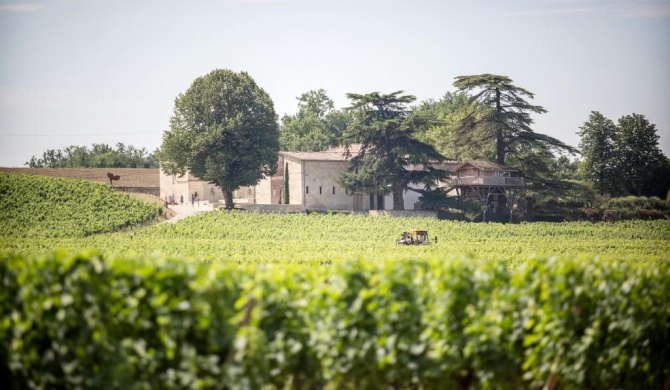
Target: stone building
{"type": "Point", "coordinates": [173, 186]}
{"type": "Point", "coordinates": [312, 185]}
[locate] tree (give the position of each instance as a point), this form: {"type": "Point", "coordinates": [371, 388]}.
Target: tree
{"type": "Point", "coordinates": [287, 199]}
{"type": "Point", "coordinates": [502, 118]}
{"type": "Point", "coordinates": [597, 148]}
{"type": "Point", "coordinates": [99, 155]}
{"type": "Point", "coordinates": [640, 163]}
{"type": "Point", "coordinates": [444, 116]}
{"type": "Point", "coordinates": [223, 131]}
{"type": "Point", "coordinates": [316, 126]}
{"type": "Point", "coordinates": [387, 131]}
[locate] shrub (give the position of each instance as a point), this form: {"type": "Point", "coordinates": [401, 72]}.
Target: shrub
{"type": "Point", "coordinates": [73, 321]}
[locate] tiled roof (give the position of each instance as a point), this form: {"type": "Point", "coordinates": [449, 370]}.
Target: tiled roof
{"type": "Point", "coordinates": [486, 166]}
{"type": "Point", "coordinates": [316, 156]}
{"type": "Point", "coordinates": [448, 166]}
{"type": "Point", "coordinates": [333, 154]}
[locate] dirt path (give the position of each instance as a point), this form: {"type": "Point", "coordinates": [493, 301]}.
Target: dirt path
{"type": "Point", "coordinates": [187, 210]}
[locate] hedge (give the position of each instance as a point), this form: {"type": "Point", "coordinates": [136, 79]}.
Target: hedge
{"type": "Point", "coordinates": [84, 321]}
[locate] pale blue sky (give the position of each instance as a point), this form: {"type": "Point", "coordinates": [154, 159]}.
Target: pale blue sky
{"type": "Point", "coordinates": [84, 71]}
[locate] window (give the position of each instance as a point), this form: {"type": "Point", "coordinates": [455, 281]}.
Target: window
{"type": "Point", "coordinates": [333, 190]}
{"type": "Point", "coordinates": [307, 190]}
{"type": "Point", "coordinates": [320, 193]}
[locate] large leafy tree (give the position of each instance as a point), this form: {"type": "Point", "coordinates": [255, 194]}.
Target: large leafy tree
{"type": "Point", "coordinates": [444, 116]}
{"type": "Point", "coordinates": [316, 126]}
{"type": "Point", "coordinates": [641, 165]}
{"type": "Point", "coordinates": [597, 148]}
{"type": "Point", "coordinates": [502, 118]}
{"type": "Point", "coordinates": [387, 132]}
{"type": "Point", "coordinates": [224, 130]}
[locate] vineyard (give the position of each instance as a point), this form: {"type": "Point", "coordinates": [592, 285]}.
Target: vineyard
{"type": "Point", "coordinates": [130, 177]}
{"type": "Point", "coordinates": [40, 207]}
{"type": "Point", "coordinates": [237, 300]}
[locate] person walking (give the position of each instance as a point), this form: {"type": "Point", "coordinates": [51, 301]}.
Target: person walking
{"type": "Point", "coordinates": [181, 199]}
{"type": "Point", "coordinates": [192, 200]}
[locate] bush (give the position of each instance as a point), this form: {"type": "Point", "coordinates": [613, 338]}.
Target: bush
{"type": "Point", "coordinates": [82, 321]}
{"type": "Point", "coordinates": [632, 203]}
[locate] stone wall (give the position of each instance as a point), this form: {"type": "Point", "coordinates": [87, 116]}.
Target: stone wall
{"type": "Point", "coordinates": [155, 191]}
{"type": "Point", "coordinates": [321, 189]}
{"type": "Point", "coordinates": [273, 208]}
{"type": "Point", "coordinates": [403, 213]}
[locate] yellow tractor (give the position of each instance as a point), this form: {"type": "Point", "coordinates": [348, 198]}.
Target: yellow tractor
{"type": "Point", "coordinates": [414, 237]}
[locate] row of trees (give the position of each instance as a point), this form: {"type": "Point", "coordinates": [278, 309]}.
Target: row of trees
{"type": "Point", "coordinates": [489, 118]}
{"type": "Point", "coordinates": [224, 130]}
{"type": "Point", "coordinates": [95, 156]}
{"type": "Point", "coordinates": [623, 158]}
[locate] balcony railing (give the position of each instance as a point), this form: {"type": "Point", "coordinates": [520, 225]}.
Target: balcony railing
{"type": "Point", "coordinates": [488, 181]}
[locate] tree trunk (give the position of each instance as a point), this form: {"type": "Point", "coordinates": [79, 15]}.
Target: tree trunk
{"type": "Point", "coordinates": [228, 198]}
{"type": "Point", "coordinates": [398, 200]}
{"type": "Point", "coordinates": [380, 202]}
{"type": "Point", "coordinates": [500, 141]}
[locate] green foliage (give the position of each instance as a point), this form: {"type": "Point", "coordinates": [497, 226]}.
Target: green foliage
{"type": "Point", "coordinates": [642, 166]}
{"type": "Point", "coordinates": [97, 156]}
{"type": "Point", "coordinates": [224, 131]}
{"type": "Point", "coordinates": [238, 237]}
{"type": "Point", "coordinates": [624, 159]}
{"type": "Point", "coordinates": [387, 132]}
{"type": "Point", "coordinates": [500, 121]}
{"type": "Point", "coordinates": [317, 126]}
{"type": "Point", "coordinates": [504, 118]}
{"type": "Point", "coordinates": [39, 206]}
{"type": "Point", "coordinates": [597, 147]}
{"type": "Point", "coordinates": [640, 207]}
{"type": "Point", "coordinates": [73, 321]}
{"type": "Point", "coordinates": [443, 117]}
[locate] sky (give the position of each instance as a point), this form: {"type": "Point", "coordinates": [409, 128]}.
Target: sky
{"type": "Point", "coordinates": [77, 72]}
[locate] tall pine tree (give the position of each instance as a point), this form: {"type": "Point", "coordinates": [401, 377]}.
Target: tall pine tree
{"type": "Point", "coordinates": [502, 118]}
{"type": "Point", "coordinates": [387, 131]}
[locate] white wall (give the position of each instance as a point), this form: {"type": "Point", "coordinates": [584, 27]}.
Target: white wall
{"type": "Point", "coordinates": [295, 185]}
{"type": "Point", "coordinates": [320, 178]}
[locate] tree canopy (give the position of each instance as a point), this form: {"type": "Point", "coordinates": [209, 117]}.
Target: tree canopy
{"type": "Point", "coordinates": [597, 148]}
{"type": "Point", "coordinates": [224, 131]}
{"type": "Point", "coordinates": [316, 126]}
{"type": "Point", "coordinates": [502, 118]}
{"type": "Point", "coordinates": [641, 165]}
{"type": "Point", "coordinates": [387, 132]}
{"type": "Point", "coordinates": [96, 156]}
{"type": "Point", "coordinates": [624, 158]}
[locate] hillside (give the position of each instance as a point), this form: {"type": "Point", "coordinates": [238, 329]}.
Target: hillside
{"type": "Point", "coordinates": [37, 206]}
{"type": "Point", "coordinates": [130, 177]}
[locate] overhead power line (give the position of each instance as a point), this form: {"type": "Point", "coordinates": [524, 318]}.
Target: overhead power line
{"type": "Point", "coordinates": [76, 135]}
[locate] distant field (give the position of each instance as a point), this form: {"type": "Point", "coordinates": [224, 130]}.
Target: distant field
{"type": "Point", "coordinates": [130, 177]}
